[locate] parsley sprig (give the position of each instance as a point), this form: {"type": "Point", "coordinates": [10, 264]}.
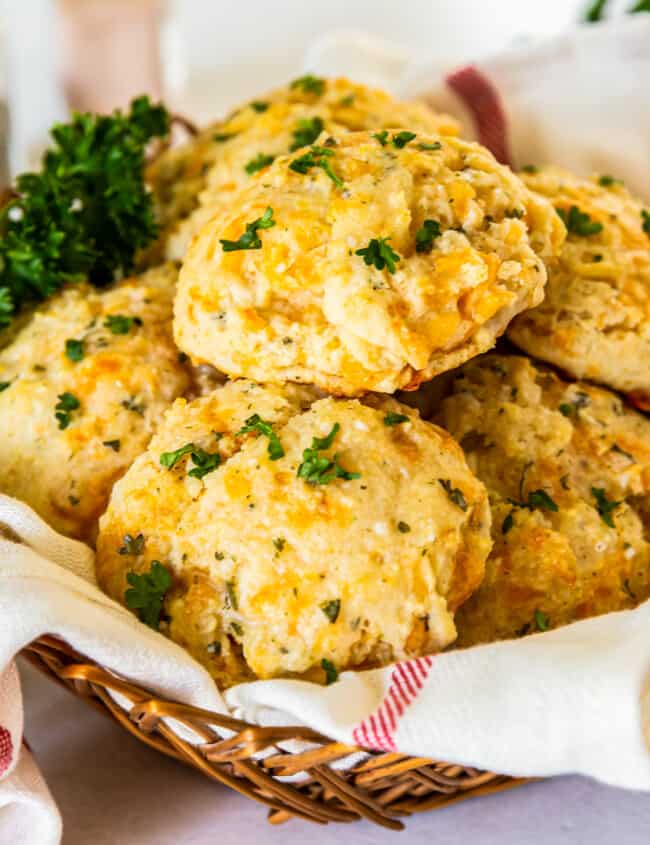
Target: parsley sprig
{"type": "Point", "coordinates": [645, 221]}
{"type": "Point", "coordinates": [426, 235]}
{"type": "Point", "coordinates": [74, 350]}
{"type": "Point", "coordinates": [319, 469]}
{"type": "Point", "coordinates": [392, 419]}
{"type": "Point", "coordinates": [146, 593]}
{"type": "Point", "coordinates": [579, 222]}
{"type": "Point", "coordinates": [121, 324]}
{"type": "Point", "coordinates": [67, 403]}
{"type": "Point", "coordinates": [86, 213]}
{"type": "Point", "coordinates": [306, 131]}
{"type": "Point", "coordinates": [204, 462]}
{"type": "Point", "coordinates": [316, 157]}
{"type": "Point", "coordinates": [605, 506]}
{"type": "Point", "coordinates": [260, 161]}
{"type": "Point", "coordinates": [256, 423]}
{"type": "Point", "coordinates": [537, 500]}
{"type": "Point", "coordinates": [250, 239]}
{"type": "Point", "coordinates": [309, 84]}
{"type": "Point", "coordinates": [455, 494]}
{"type": "Point", "coordinates": [380, 253]}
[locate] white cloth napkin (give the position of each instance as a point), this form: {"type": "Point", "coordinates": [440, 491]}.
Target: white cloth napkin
{"type": "Point", "coordinates": [572, 700]}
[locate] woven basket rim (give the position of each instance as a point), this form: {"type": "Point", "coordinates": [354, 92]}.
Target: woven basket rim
{"type": "Point", "coordinates": [381, 788]}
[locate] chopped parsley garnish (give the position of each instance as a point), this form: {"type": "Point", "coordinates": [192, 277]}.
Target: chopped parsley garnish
{"type": "Point", "coordinates": [436, 145]}
{"type": "Point", "coordinates": [537, 500]}
{"type": "Point", "coordinates": [606, 181]}
{"type": "Point", "coordinates": [596, 11]}
{"type": "Point", "coordinates": [67, 403]}
{"type": "Point", "coordinates": [132, 545]}
{"type": "Point", "coordinates": [579, 222]}
{"type": "Point", "coordinates": [120, 324]}
{"type": "Point", "coordinates": [507, 523]}
{"type": "Point", "coordinates": [316, 157]}
{"type": "Point", "coordinates": [605, 506]}
{"type": "Point", "coordinates": [331, 609]}
{"type": "Point", "coordinates": [403, 527]}
{"type": "Point", "coordinates": [347, 100]}
{"type": "Point", "coordinates": [426, 235]}
{"type": "Point", "coordinates": [256, 423]}
{"type": "Point", "coordinates": [259, 106]}
{"type": "Point", "coordinates": [392, 418]}
{"type": "Point", "coordinates": [382, 137]}
{"type": "Point", "coordinates": [74, 349]}
{"type": "Point", "coordinates": [86, 213]}
{"type": "Point", "coordinates": [572, 407]}
{"type": "Point", "coordinates": [204, 462]}
{"type": "Point", "coordinates": [112, 444]}
{"type": "Point", "coordinates": [319, 469]}
{"type": "Point", "coordinates": [542, 621]}
{"type": "Point", "coordinates": [640, 6]}
{"type": "Point", "coordinates": [231, 594]}
{"type": "Point", "coordinates": [401, 139]}
{"type": "Point", "coordinates": [331, 672]}
{"type": "Point", "coordinates": [306, 131]}
{"type": "Point", "coordinates": [279, 543]}
{"type": "Point", "coordinates": [260, 161]}
{"type": "Point", "coordinates": [147, 593]}
{"type": "Point", "coordinates": [380, 253]}
{"type": "Point", "coordinates": [4, 385]}
{"type": "Point", "coordinates": [455, 495]}
{"type": "Point", "coordinates": [530, 168]}
{"type": "Point", "coordinates": [309, 84]}
{"type": "Point", "coordinates": [250, 239]}
{"type": "Point", "coordinates": [645, 221]}
{"type": "Point", "coordinates": [220, 137]}
{"type": "Point", "coordinates": [237, 629]}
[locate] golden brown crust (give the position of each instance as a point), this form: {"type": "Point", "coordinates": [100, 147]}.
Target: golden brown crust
{"type": "Point", "coordinates": [553, 455]}
{"type": "Point", "coordinates": [273, 574]}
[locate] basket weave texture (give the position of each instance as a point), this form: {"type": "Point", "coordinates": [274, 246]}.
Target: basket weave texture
{"type": "Point", "coordinates": [382, 788]}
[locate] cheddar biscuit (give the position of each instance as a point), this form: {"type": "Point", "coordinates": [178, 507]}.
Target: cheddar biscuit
{"type": "Point", "coordinates": [325, 534]}
{"type": "Point", "coordinates": [595, 319]}
{"type": "Point", "coordinates": [369, 261]}
{"type": "Point", "coordinates": [83, 383]}
{"type": "Point", "coordinates": [567, 468]}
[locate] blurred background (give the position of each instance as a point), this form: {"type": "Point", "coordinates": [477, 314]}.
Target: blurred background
{"type": "Point", "coordinates": [203, 56]}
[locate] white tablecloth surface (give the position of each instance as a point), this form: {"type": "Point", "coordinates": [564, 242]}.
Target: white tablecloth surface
{"type": "Point", "coordinates": [112, 790]}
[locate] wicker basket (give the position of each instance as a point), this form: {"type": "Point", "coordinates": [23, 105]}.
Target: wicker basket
{"type": "Point", "coordinates": [382, 788]}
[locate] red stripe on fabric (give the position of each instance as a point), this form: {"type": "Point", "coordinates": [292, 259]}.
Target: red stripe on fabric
{"type": "Point", "coordinates": [415, 679]}
{"type": "Point", "coordinates": [411, 690]}
{"type": "Point", "coordinates": [400, 689]}
{"type": "Point", "coordinates": [396, 700]}
{"type": "Point", "coordinates": [484, 102]}
{"type": "Point", "coordinates": [6, 750]}
{"type": "Point", "coordinates": [390, 714]}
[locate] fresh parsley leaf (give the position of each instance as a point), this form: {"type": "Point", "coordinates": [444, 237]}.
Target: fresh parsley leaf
{"type": "Point", "coordinates": [331, 609]}
{"type": "Point", "coordinates": [319, 469]}
{"type": "Point", "coordinates": [606, 181]}
{"type": "Point", "coordinates": [279, 543]}
{"type": "Point", "coordinates": [74, 349]}
{"type": "Point", "coordinates": [579, 222]}
{"type": "Point", "coordinates": [331, 672]}
{"type": "Point", "coordinates": [306, 131]}
{"type": "Point", "coordinates": [132, 545]}
{"type": "Point", "coordinates": [231, 594]}
{"type": "Point", "coordinates": [382, 137]}
{"type": "Point", "coordinates": [86, 213]}
{"type": "Point", "coordinates": [645, 221]}
{"type": "Point", "coordinates": [507, 523]}
{"type": "Point", "coordinates": [220, 137]}
{"type": "Point", "coordinates": [640, 6]}
{"type": "Point", "coordinates": [403, 527]}
{"type": "Point", "coordinates": [392, 418]}
{"type": "Point", "coordinates": [537, 499]}
{"type": "Point", "coordinates": [454, 493]}
{"type": "Point", "coordinates": [4, 385]}
{"type": "Point", "coordinates": [605, 506]}
{"type": "Point", "coordinates": [112, 444]}
{"type": "Point", "coordinates": [316, 157]}
{"type": "Point", "coordinates": [147, 592]}
{"type": "Point", "coordinates": [541, 621]}
{"type": "Point", "coordinates": [596, 11]}
{"type": "Point", "coordinates": [204, 462]}
{"type": "Point", "coordinates": [568, 408]}
{"type": "Point", "coordinates": [530, 168]}
{"type": "Point", "coordinates": [256, 423]}
{"type": "Point", "coordinates": [237, 629]}
{"type": "Point", "coordinates": [401, 139]}
{"type": "Point", "coordinates": [260, 161]}
{"type": "Point", "coordinates": [259, 106]}
{"type": "Point", "coordinates": [436, 145]}
{"type": "Point", "coordinates": [426, 235]}
{"type": "Point", "coordinates": [120, 324]}
{"type": "Point", "coordinates": [347, 100]}
{"type": "Point", "coordinates": [67, 403]}
{"type": "Point", "coordinates": [380, 253]}
{"type": "Point", "coordinates": [170, 459]}
{"type": "Point", "coordinates": [309, 84]}
{"type": "Point", "coordinates": [250, 239]}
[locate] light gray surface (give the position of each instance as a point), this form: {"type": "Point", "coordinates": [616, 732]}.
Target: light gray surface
{"type": "Point", "coordinates": [112, 790]}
